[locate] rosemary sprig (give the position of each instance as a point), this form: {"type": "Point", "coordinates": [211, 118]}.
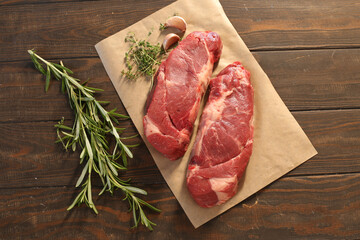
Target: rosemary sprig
{"type": "Point", "coordinates": [142, 57]}
{"type": "Point", "coordinates": [91, 126]}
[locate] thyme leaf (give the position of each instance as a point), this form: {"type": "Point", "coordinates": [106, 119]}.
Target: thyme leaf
{"type": "Point", "coordinates": [162, 27]}
{"type": "Point", "coordinates": [142, 58]}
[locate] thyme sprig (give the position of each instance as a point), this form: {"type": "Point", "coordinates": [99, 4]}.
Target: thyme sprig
{"type": "Point", "coordinates": [91, 126]}
{"type": "Point", "coordinates": [162, 27]}
{"type": "Point", "coordinates": [142, 57]}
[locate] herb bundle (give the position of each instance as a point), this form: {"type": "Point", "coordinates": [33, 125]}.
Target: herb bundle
{"type": "Point", "coordinates": [89, 131]}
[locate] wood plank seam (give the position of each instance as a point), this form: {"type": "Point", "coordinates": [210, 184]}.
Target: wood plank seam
{"type": "Point", "coordinates": [140, 185]}
{"type": "Point", "coordinates": [260, 50]}
{"type": "Point", "coordinates": [47, 2]}
{"type": "Point", "coordinates": [257, 50]}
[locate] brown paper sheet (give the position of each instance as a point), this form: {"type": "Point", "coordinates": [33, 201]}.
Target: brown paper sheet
{"type": "Point", "coordinates": [280, 144]}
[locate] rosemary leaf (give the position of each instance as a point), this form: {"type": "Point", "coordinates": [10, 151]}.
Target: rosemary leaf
{"type": "Point", "coordinates": [81, 178]}
{"type": "Point", "coordinates": [63, 68]}
{"type": "Point", "coordinates": [47, 80]}
{"type": "Point", "coordinates": [136, 190]}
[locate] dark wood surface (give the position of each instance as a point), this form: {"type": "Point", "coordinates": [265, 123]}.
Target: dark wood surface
{"type": "Point", "coordinates": [309, 49]}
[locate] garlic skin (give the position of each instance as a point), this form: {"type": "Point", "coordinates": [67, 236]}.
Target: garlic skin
{"type": "Point", "coordinates": [176, 22]}
{"type": "Point", "coordinates": [169, 40]}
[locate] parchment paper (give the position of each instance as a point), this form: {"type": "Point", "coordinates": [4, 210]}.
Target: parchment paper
{"type": "Point", "coordinates": [280, 144]}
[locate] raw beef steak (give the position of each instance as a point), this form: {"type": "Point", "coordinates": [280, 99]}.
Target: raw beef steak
{"type": "Point", "coordinates": [181, 82]}
{"type": "Point", "coordinates": [224, 141]}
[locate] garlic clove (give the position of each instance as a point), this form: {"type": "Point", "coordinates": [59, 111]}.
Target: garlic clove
{"type": "Point", "coordinates": [176, 22]}
{"type": "Point", "coordinates": [169, 40]}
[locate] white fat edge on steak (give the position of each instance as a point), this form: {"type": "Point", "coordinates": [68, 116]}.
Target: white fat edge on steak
{"type": "Point", "coordinates": [204, 79]}
{"type": "Point", "coordinates": [219, 184]}
{"type": "Point", "coordinates": [212, 112]}
{"type": "Point", "coordinates": [151, 128]}
{"type": "Point", "coordinates": [241, 75]}
{"type": "Point", "coordinates": [193, 172]}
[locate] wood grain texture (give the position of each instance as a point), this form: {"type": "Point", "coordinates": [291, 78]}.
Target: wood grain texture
{"type": "Point", "coordinates": [335, 135]}
{"type": "Point", "coordinates": [280, 24]}
{"type": "Point", "coordinates": [66, 29]}
{"type": "Point", "coordinates": [291, 208]}
{"type": "Point", "coordinates": [31, 158]}
{"type": "Point", "coordinates": [305, 80]}
{"type": "Point", "coordinates": [71, 29]}
{"type": "Point", "coordinates": [22, 2]}
{"type": "Point", "coordinates": [315, 79]}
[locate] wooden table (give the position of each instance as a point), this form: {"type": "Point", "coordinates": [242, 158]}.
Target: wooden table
{"type": "Point", "coordinates": [311, 52]}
